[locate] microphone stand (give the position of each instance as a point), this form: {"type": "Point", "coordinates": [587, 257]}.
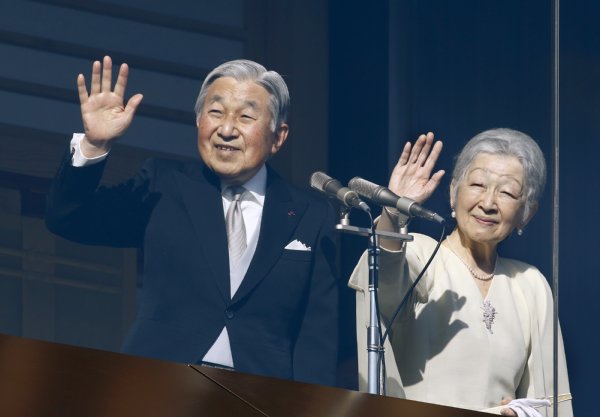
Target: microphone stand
{"type": "Point", "coordinates": [374, 347]}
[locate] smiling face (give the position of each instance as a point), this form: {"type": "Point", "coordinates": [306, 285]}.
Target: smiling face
{"type": "Point", "coordinates": [234, 135]}
{"type": "Point", "coordinates": [489, 202]}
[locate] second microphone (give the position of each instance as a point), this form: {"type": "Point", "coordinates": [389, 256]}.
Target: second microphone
{"type": "Point", "coordinates": [385, 197]}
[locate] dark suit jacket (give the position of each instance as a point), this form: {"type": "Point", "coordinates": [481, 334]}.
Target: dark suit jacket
{"type": "Point", "coordinates": [282, 321]}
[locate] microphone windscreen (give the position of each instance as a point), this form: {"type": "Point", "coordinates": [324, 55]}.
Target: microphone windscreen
{"type": "Point", "coordinates": [318, 180]}
{"type": "Point", "coordinates": [363, 187]}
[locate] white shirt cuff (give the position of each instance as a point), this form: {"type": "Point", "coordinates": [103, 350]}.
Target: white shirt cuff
{"type": "Point", "coordinates": [79, 159]}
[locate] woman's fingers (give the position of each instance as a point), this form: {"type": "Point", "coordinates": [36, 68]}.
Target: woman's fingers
{"type": "Point", "coordinates": [433, 156]}
{"type": "Point", "coordinates": [417, 148]}
{"type": "Point", "coordinates": [424, 154]}
{"type": "Point", "coordinates": [405, 154]}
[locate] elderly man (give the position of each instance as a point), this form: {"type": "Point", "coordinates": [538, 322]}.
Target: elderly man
{"type": "Point", "coordinates": [239, 265]}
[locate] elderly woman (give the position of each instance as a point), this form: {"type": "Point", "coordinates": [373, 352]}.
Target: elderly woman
{"type": "Point", "coordinates": [477, 329]}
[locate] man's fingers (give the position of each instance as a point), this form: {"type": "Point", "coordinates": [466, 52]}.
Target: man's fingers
{"type": "Point", "coordinates": [81, 89]}
{"type": "Point", "coordinates": [95, 83]}
{"type": "Point", "coordinates": [122, 80]}
{"type": "Point", "coordinates": [133, 104]}
{"type": "Point", "coordinates": [106, 74]}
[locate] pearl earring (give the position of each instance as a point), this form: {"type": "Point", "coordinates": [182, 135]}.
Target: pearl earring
{"type": "Point", "coordinates": [453, 214]}
{"type": "Point", "coordinates": [519, 231]}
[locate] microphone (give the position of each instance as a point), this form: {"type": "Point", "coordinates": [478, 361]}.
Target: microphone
{"type": "Point", "coordinates": [324, 183]}
{"type": "Point", "coordinates": [385, 197]}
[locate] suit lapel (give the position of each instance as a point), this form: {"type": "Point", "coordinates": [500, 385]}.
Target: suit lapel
{"type": "Point", "coordinates": [281, 215]}
{"type": "Point", "coordinates": [201, 194]}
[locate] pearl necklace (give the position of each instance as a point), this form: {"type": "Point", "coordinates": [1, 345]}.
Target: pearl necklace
{"type": "Point", "coordinates": [471, 270]}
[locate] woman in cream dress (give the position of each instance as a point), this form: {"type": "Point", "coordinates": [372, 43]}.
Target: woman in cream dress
{"type": "Point", "coordinates": [477, 330]}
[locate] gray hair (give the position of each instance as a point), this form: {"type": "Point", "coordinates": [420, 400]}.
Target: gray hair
{"type": "Point", "coordinates": [506, 142]}
{"type": "Point", "coordinates": [245, 70]}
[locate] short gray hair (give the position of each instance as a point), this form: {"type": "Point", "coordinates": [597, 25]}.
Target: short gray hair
{"type": "Point", "coordinates": [245, 70]}
{"type": "Point", "coordinates": [506, 142]}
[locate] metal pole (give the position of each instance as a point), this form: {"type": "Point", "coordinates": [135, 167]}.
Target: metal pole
{"type": "Point", "coordinates": [555, 193]}
{"type": "Point", "coordinates": [373, 332]}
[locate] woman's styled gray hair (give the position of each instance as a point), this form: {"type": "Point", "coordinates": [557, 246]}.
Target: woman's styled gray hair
{"type": "Point", "coordinates": [245, 70]}
{"type": "Point", "coordinates": [506, 142]}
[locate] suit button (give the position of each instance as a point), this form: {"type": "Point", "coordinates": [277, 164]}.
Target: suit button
{"type": "Point", "coordinates": [229, 314]}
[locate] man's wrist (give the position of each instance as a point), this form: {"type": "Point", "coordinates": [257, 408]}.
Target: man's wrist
{"type": "Point", "coordinates": [79, 158]}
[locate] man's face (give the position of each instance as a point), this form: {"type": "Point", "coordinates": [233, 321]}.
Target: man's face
{"type": "Point", "coordinates": [234, 135]}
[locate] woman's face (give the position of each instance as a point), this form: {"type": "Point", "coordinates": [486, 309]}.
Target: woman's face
{"type": "Point", "coordinates": [490, 202]}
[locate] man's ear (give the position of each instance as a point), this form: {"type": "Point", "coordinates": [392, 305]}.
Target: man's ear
{"type": "Point", "coordinates": [280, 138]}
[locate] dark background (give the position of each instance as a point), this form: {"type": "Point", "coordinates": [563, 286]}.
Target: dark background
{"type": "Point", "coordinates": [364, 78]}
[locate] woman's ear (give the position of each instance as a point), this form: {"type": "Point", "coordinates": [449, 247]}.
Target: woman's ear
{"type": "Point", "coordinates": [452, 194]}
{"type": "Point", "coordinates": [532, 211]}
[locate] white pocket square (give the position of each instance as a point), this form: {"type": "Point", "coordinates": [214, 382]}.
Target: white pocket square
{"type": "Point", "coordinates": [297, 245]}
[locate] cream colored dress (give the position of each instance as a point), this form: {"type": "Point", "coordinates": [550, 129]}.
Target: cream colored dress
{"type": "Point", "coordinates": [440, 348]}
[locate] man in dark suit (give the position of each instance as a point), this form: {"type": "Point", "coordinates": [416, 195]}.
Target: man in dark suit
{"type": "Point", "coordinates": [238, 277]}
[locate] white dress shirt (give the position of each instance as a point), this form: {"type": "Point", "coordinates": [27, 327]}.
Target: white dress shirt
{"type": "Point", "coordinates": [252, 207]}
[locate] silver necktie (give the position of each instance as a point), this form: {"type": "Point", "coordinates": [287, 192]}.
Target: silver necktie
{"type": "Point", "coordinates": [236, 229]}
